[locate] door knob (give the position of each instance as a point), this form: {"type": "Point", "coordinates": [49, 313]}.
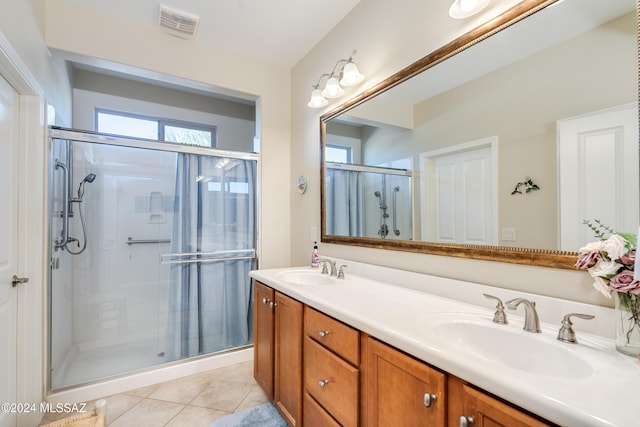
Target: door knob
{"type": "Point", "coordinates": [15, 280]}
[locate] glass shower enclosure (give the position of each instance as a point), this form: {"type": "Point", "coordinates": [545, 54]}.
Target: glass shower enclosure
{"type": "Point", "coordinates": [368, 201]}
{"type": "Point", "coordinates": [150, 248]}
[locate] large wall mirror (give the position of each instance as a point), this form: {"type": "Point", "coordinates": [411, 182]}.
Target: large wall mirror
{"type": "Point", "coordinates": [498, 145]}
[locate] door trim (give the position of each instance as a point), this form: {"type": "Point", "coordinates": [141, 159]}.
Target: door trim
{"type": "Point", "coordinates": [427, 173]}
{"type": "Point", "coordinates": [31, 230]}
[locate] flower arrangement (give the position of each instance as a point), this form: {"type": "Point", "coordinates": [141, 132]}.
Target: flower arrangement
{"type": "Point", "coordinates": [610, 261]}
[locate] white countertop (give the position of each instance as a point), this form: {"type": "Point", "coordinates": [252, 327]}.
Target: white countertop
{"type": "Point", "coordinates": [399, 316]}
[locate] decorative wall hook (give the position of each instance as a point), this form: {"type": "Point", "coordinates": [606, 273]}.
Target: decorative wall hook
{"type": "Point", "coordinates": [528, 186]}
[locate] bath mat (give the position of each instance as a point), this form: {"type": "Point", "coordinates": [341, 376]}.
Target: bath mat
{"type": "Point", "coordinates": [265, 415]}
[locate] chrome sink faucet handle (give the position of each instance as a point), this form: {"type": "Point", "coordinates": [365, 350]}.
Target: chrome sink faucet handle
{"type": "Point", "coordinates": [566, 332]}
{"type": "Point", "coordinates": [341, 271]}
{"type": "Point", "coordinates": [531, 322]}
{"type": "Point", "coordinates": [499, 316]}
{"type": "Point", "coordinates": [325, 270]}
{"type": "Point", "coordinates": [332, 266]}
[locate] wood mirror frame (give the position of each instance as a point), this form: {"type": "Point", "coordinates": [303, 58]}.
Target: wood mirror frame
{"type": "Point", "coordinates": [525, 256]}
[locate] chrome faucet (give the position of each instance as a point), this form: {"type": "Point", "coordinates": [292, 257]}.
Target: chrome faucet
{"type": "Point", "coordinates": [531, 322]}
{"type": "Point", "coordinates": [566, 332]}
{"type": "Point", "coordinates": [341, 271]}
{"type": "Point", "coordinates": [332, 266]}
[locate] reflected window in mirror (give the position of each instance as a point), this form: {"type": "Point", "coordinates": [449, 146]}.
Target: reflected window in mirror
{"type": "Point", "coordinates": [337, 154]}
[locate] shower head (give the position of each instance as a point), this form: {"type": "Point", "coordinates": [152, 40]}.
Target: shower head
{"type": "Point", "coordinates": [89, 178]}
{"type": "Point", "coordinates": [377, 194]}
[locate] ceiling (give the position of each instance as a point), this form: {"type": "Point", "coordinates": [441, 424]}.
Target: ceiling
{"type": "Point", "coordinates": [280, 32]}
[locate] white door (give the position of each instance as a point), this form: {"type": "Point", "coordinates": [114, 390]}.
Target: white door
{"type": "Point", "coordinates": [8, 245]}
{"type": "Point", "coordinates": [598, 173]}
{"type": "Point", "coordinates": [460, 191]}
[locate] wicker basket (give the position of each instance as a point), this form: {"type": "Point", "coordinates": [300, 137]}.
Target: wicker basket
{"type": "Point", "coordinates": [95, 418]}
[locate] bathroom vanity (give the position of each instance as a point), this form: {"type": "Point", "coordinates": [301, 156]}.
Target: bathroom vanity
{"type": "Point", "coordinates": [363, 352]}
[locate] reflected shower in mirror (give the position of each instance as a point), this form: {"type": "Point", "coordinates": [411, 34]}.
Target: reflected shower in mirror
{"type": "Point", "coordinates": [552, 98]}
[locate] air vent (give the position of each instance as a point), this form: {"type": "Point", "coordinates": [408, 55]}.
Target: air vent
{"type": "Point", "coordinates": [178, 23]}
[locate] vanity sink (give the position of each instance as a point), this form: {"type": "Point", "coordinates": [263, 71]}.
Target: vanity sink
{"type": "Point", "coordinates": [306, 277]}
{"type": "Point", "coordinates": [506, 345]}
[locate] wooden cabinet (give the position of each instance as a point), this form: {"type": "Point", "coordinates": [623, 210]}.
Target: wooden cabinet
{"type": "Point", "coordinates": [288, 358]}
{"type": "Point", "coordinates": [277, 358]}
{"type": "Point", "coordinates": [331, 374]}
{"type": "Point", "coordinates": [314, 415]}
{"type": "Point", "coordinates": [400, 390]}
{"type": "Point", "coordinates": [341, 339]}
{"type": "Point", "coordinates": [263, 336]}
{"type": "Point", "coordinates": [349, 379]}
{"type": "Point", "coordinates": [470, 406]}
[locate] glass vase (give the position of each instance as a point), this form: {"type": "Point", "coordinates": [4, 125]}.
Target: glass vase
{"type": "Point", "coordinates": [627, 314]}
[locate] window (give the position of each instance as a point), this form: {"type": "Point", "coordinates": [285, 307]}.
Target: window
{"type": "Point", "coordinates": [138, 126]}
{"type": "Point", "coordinates": [337, 154]}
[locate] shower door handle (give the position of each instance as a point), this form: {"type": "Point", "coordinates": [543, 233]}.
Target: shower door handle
{"type": "Point", "coordinates": [15, 280]}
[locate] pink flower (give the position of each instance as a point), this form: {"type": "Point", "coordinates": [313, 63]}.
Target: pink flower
{"type": "Point", "coordinates": [629, 259]}
{"type": "Point", "coordinates": [624, 282]}
{"type": "Point", "coordinates": [586, 260]}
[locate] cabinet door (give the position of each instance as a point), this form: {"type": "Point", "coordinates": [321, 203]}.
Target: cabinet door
{"type": "Point", "coordinates": [288, 358]}
{"type": "Point", "coordinates": [400, 390]}
{"type": "Point", "coordinates": [467, 404]}
{"type": "Point", "coordinates": [332, 382]}
{"type": "Point", "coordinates": [263, 336]}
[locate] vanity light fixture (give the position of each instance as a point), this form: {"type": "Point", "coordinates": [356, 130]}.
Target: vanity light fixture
{"type": "Point", "coordinates": [465, 8]}
{"type": "Point", "coordinates": [349, 75]}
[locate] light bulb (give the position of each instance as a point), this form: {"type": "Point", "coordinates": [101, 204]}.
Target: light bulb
{"type": "Point", "coordinates": [468, 5]}
{"type": "Point", "coordinates": [466, 8]}
{"type": "Point", "coordinates": [332, 89]}
{"type": "Point", "coordinates": [350, 75]}
{"type": "Point", "coordinates": [317, 100]}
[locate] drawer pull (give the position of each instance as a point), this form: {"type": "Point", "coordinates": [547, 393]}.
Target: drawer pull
{"type": "Point", "coordinates": [323, 383]}
{"type": "Point", "coordinates": [429, 399]}
{"type": "Point", "coordinates": [265, 300]}
{"type": "Point", "coordinates": [466, 421]}
{"type": "Point", "coordinates": [323, 334]}
{"type": "Point", "coordinates": [272, 304]}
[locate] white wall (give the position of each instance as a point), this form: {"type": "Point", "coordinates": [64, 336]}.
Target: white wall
{"type": "Point", "coordinates": [405, 31]}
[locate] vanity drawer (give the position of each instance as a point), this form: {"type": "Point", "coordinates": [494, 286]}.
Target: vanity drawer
{"type": "Point", "coordinates": [314, 415]}
{"type": "Point", "coordinates": [336, 336]}
{"type": "Point", "coordinates": [339, 395]}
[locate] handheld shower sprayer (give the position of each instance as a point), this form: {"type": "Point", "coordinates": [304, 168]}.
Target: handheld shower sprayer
{"type": "Point", "coordinates": [89, 178]}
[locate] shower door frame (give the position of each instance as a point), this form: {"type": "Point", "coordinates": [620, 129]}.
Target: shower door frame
{"type": "Point", "coordinates": [76, 135]}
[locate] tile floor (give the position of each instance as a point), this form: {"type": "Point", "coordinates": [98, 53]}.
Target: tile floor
{"type": "Point", "coordinates": [192, 401]}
